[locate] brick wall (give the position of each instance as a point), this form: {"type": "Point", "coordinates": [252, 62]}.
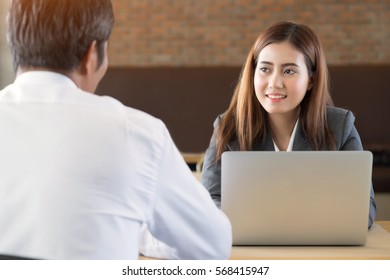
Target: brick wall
{"type": "Point", "coordinates": [220, 32]}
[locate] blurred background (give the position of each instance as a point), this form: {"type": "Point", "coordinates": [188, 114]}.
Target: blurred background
{"type": "Point", "coordinates": [179, 60]}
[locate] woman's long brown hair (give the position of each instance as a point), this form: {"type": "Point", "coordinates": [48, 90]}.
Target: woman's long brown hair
{"type": "Point", "coordinates": [245, 121]}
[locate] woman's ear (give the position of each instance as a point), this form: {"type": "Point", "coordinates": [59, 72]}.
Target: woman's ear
{"type": "Point", "coordinates": [310, 85]}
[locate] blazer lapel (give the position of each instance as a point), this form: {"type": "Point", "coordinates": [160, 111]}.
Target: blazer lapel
{"type": "Point", "coordinates": [300, 141]}
{"type": "Point", "coordinates": [267, 145]}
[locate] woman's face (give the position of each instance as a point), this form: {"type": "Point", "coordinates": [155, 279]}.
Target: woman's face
{"type": "Point", "coordinates": [281, 79]}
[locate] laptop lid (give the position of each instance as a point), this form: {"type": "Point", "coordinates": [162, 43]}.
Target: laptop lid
{"type": "Point", "coordinates": [297, 198]}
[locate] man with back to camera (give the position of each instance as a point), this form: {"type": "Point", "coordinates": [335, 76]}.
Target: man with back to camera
{"type": "Point", "coordinates": [81, 173]}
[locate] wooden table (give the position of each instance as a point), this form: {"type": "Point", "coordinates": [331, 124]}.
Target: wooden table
{"type": "Point", "coordinates": [384, 224]}
{"type": "Point", "coordinates": [377, 247]}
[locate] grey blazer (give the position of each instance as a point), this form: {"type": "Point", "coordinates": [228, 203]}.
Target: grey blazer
{"type": "Point", "coordinates": [340, 121]}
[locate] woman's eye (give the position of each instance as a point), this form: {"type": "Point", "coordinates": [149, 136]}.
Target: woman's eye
{"type": "Point", "coordinates": [264, 69]}
{"type": "Point", "coordinates": [289, 72]}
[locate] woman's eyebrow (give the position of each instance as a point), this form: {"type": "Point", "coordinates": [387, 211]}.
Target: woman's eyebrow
{"type": "Point", "coordinates": [266, 62]}
{"type": "Point", "coordinates": [284, 64]}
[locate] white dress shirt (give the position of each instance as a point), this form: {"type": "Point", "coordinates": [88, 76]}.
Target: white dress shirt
{"type": "Point", "coordinates": [81, 173]}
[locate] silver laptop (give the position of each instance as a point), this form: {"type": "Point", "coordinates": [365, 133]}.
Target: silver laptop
{"type": "Point", "coordinates": [297, 198]}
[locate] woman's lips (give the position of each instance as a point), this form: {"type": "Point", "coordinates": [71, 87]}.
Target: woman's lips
{"type": "Point", "coordinates": [276, 96]}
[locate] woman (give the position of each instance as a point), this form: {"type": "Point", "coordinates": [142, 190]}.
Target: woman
{"type": "Point", "coordinates": [282, 103]}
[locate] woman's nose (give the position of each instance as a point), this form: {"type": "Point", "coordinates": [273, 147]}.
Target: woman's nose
{"type": "Point", "coordinates": [275, 80]}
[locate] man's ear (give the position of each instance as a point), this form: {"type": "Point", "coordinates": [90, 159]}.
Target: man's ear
{"type": "Point", "coordinates": [89, 64]}
{"type": "Point", "coordinates": [89, 72]}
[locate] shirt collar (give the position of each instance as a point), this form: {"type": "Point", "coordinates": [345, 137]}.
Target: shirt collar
{"type": "Point", "coordinates": [47, 77]}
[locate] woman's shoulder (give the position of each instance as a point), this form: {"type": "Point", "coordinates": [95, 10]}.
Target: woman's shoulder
{"type": "Point", "coordinates": [217, 121]}
{"type": "Point", "coordinates": [337, 116]}
{"type": "Point", "coordinates": [341, 122]}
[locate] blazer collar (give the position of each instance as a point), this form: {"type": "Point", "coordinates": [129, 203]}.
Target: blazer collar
{"type": "Point", "coordinates": [300, 143]}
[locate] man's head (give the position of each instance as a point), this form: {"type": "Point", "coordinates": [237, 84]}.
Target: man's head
{"type": "Point", "coordinates": [58, 34]}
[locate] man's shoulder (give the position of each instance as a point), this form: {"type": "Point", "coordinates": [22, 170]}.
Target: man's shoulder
{"type": "Point", "coordinates": [143, 118]}
{"type": "Point", "coordinates": [136, 115]}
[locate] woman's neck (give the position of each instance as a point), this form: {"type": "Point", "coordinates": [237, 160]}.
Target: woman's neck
{"type": "Point", "coordinates": [282, 126]}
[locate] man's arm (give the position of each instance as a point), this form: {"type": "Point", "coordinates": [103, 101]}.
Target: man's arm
{"type": "Point", "coordinates": [184, 217]}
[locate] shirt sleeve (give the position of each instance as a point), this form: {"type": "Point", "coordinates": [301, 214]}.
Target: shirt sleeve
{"type": "Point", "coordinates": [184, 222]}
